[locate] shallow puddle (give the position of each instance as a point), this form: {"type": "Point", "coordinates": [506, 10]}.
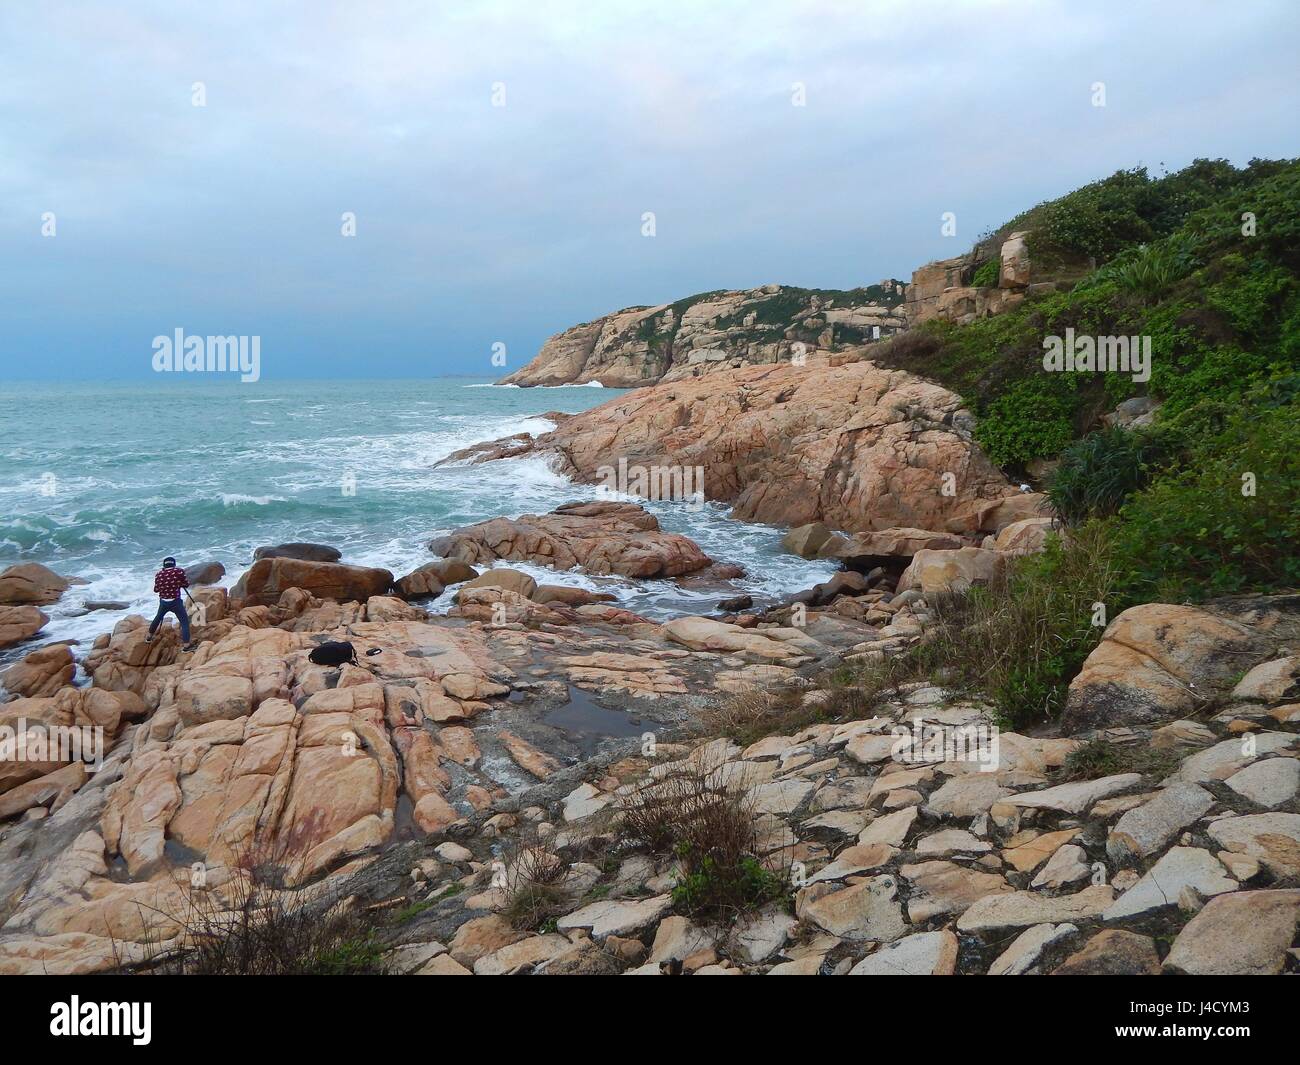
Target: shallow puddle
{"type": "Point", "coordinates": [587, 722]}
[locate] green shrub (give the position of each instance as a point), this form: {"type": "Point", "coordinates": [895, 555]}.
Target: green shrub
{"type": "Point", "coordinates": [1130, 207]}
{"type": "Point", "coordinates": [1032, 420]}
{"type": "Point", "coordinates": [1194, 534]}
{"type": "Point", "coordinates": [1100, 471]}
{"type": "Point", "coordinates": [712, 833]}
{"type": "Point", "coordinates": [1149, 269]}
{"type": "Point", "coordinates": [987, 274]}
{"type": "Point", "coordinates": [714, 886]}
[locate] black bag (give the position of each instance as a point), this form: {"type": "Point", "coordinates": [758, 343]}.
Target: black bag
{"type": "Point", "coordinates": [334, 653]}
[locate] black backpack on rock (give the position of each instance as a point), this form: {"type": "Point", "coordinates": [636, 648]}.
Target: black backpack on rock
{"type": "Point", "coordinates": [334, 653]}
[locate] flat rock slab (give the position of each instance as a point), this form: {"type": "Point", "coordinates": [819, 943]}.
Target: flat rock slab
{"type": "Point", "coordinates": [1180, 868]}
{"type": "Point", "coordinates": [1223, 759]}
{"type": "Point", "coordinates": [1148, 828]}
{"type": "Point", "coordinates": [891, 829]}
{"type": "Point", "coordinates": [869, 910]}
{"type": "Point", "coordinates": [1023, 908]}
{"type": "Point", "coordinates": [1077, 796]}
{"type": "Point", "coordinates": [758, 936]}
{"type": "Point", "coordinates": [614, 918]}
{"type": "Point", "coordinates": [1069, 865]}
{"type": "Point", "coordinates": [1273, 839]}
{"type": "Point", "coordinates": [966, 796]}
{"type": "Point", "coordinates": [1114, 952]}
{"type": "Point", "coordinates": [922, 954]}
{"type": "Point", "coordinates": [859, 858]}
{"type": "Point", "coordinates": [1269, 782]}
{"type": "Point", "coordinates": [1024, 952]}
{"type": "Point", "coordinates": [946, 887]}
{"type": "Point", "coordinates": [1029, 856]}
{"type": "Point", "coordinates": [951, 841]}
{"type": "Point", "coordinates": [1247, 933]}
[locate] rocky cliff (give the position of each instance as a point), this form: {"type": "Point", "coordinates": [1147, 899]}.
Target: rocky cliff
{"type": "Point", "coordinates": [777, 323]}
{"type": "Point", "coordinates": [837, 440]}
{"type": "Point", "coordinates": [673, 341]}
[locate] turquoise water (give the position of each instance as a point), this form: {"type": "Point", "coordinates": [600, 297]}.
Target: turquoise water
{"type": "Point", "coordinates": [101, 481]}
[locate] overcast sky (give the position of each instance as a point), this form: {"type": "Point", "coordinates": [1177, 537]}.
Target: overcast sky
{"type": "Point", "coordinates": [478, 223]}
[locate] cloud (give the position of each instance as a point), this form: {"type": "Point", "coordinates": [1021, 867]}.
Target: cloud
{"type": "Point", "coordinates": [478, 223]}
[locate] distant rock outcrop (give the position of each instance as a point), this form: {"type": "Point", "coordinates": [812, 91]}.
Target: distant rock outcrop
{"type": "Point", "coordinates": [722, 330]}
{"type": "Point", "coordinates": [716, 330]}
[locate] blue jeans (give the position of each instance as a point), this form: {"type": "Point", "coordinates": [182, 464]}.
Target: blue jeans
{"type": "Point", "coordinates": [172, 606]}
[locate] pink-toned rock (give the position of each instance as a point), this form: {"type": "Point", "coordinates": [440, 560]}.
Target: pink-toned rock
{"type": "Point", "coordinates": [42, 672]}
{"type": "Point", "coordinates": [601, 537]}
{"type": "Point", "coordinates": [268, 578]}
{"type": "Point", "coordinates": [528, 757]}
{"type": "Point", "coordinates": [853, 445]}
{"type": "Point", "coordinates": [889, 544]}
{"type": "Point", "coordinates": [1023, 537]}
{"type": "Point", "coordinates": [43, 790]}
{"type": "Point", "coordinates": [30, 582]}
{"type": "Point", "coordinates": [952, 571]}
{"type": "Point", "coordinates": [1158, 661]}
{"type": "Point", "coordinates": [126, 659]}
{"type": "Point", "coordinates": [18, 623]}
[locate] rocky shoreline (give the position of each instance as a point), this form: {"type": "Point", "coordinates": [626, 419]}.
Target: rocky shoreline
{"type": "Point", "coordinates": [532, 719]}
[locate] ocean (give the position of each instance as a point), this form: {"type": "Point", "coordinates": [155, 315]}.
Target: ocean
{"type": "Point", "coordinates": [101, 481]}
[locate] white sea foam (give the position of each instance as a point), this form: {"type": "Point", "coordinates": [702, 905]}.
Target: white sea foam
{"type": "Point", "coordinates": [123, 504]}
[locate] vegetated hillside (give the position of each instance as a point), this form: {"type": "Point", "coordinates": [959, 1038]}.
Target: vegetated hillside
{"type": "Point", "coordinates": [1200, 498]}
{"type": "Point", "coordinates": [1220, 307]}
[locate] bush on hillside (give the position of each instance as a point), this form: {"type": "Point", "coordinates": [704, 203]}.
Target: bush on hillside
{"type": "Point", "coordinates": [1032, 420]}
{"type": "Point", "coordinates": [1098, 472]}
{"type": "Point", "coordinates": [1197, 531]}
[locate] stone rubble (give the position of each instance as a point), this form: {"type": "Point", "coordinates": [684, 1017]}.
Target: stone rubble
{"type": "Point", "coordinates": [419, 777]}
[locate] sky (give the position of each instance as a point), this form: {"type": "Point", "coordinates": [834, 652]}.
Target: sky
{"type": "Point", "coordinates": [188, 165]}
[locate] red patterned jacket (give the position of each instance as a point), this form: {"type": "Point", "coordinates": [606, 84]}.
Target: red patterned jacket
{"type": "Point", "coordinates": [169, 582]}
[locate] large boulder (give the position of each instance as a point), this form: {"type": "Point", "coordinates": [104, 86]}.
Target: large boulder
{"type": "Point", "coordinates": [29, 582]}
{"type": "Point", "coordinates": [847, 443]}
{"type": "Point", "coordinates": [1159, 661]}
{"type": "Point", "coordinates": [42, 672]}
{"type": "Point", "coordinates": [952, 571]}
{"type": "Point", "coordinates": [19, 623]}
{"type": "Point", "coordinates": [602, 537]}
{"type": "Point", "coordinates": [304, 552]}
{"type": "Point", "coordinates": [206, 572]}
{"type": "Point", "coordinates": [510, 580]}
{"type": "Point", "coordinates": [421, 583]}
{"type": "Point", "coordinates": [1014, 268]}
{"type": "Point", "coordinates": [1024, 537]}
{"type": "Point", "coordinates": [883, 546]}
{"type": "Point", "coordinates": [806, 540]}
{"type": "Point", "coordinates": [122, 660]}
{"type": "Point", "coordinates": [269, 578]}
{"type": "Point", "coordinates": [995, 516]}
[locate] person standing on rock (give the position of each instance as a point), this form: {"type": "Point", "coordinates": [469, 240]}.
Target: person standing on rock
{"type": "Point", "coordinates": [168, 582]}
